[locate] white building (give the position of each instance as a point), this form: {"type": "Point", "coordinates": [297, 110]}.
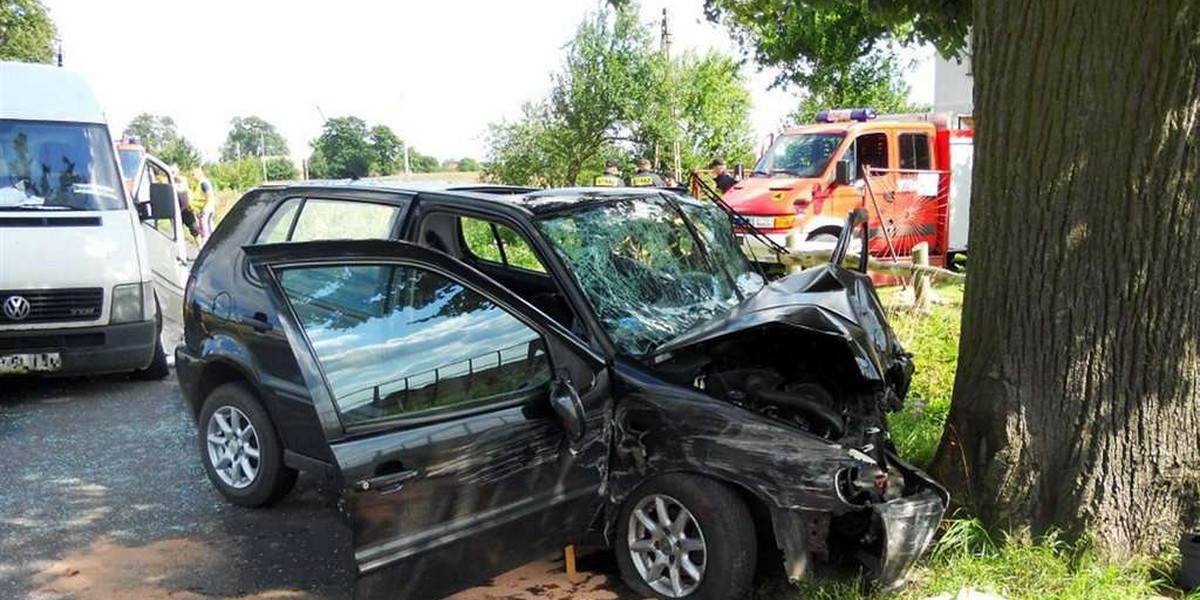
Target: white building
{"type": "Point", "coordinates": [953, 83]}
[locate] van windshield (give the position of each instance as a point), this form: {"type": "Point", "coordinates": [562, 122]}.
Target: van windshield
{"type": "Point", "coordinates": [57, 166]}
{"type": "Point", "coordinates": [800, 155]}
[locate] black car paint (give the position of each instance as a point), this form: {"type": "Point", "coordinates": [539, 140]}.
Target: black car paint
{"type": "Point", "coordinates": [640, 425]}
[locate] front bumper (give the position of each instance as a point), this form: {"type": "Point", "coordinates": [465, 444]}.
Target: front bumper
{"type": "Point", "coordinates": [88, 350]}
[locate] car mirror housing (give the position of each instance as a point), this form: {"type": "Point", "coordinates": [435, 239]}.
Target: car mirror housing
{"type": "Point", "coordinates": [162, 201]}
{"type": "Point", "coordinates": [569, 409]}
{"type": "Point", "coordinates": [843, 173]}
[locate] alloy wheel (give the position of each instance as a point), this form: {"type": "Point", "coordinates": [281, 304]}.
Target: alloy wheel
{"type": "Point", "coordinates": [233, 447]}
{"type": "Point", "coordinates": [667, 546]}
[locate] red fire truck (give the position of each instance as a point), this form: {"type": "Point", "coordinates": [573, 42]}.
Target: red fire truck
{"type": "Point", "coordinates": [911, 172]}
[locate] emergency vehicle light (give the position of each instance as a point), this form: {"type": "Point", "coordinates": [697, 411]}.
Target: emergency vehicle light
{"type": "Point", "coordinates": [846, 114]}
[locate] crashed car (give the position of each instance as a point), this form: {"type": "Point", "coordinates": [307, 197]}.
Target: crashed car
{"type": "Point", "coordinates": [491, 374]}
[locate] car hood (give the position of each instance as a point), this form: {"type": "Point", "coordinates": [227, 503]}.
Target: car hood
{"type": "Point", "coordinates": [826, 299]}
{"type": "Point", "coordinates": [770, 195]}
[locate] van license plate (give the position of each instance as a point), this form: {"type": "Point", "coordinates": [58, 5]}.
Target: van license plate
{"type": "Point", "coordinates": [24, 363]}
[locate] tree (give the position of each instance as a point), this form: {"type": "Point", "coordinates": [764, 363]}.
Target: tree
{"type": "Point", "coordinates": [252, 136]}
{"type": "Point", "coordinates": [179, 152]}
{"type": "Point", "coordinates": [235, 174]}
{"type": "Point", "coordinates": [343, 150]}
{"type": "Point", "coordinates": [468, 165]}
{"type": "Point", "coordinates": [27, 33]}
{"type": "Point", "coordinates": [1077, 398]}
{"type": "Point", "coordinates": [152, 131]}
{"type": "Point", "coordinates": [388, 149]}
{"type": "Point", "coordinates": [281, 169]}
{"type": "Point", "coordinates": [874, 81]}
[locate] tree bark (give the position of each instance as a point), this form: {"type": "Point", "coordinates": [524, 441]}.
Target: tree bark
{"type": "Point", "coordinates": [1076, 406]}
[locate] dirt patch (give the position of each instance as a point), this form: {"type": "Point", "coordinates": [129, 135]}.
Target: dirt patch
{"type": "Point", "coordinates": [109, 571]}
{"type": "Point", "coordinates": [547, 580]}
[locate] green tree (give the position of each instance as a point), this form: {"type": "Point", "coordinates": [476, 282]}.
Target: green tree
{"type": "Point", "coordinates": [388, 150]}
{"type": "Point", "coordinates": [343, 150]}
{"type": "Point", "coordinates": [281, 169]}
{"type": "Point", "coordinates": [468, 165]}
{"type": "Point", "coordinates": [152, 131]}
{"type": "Point", "coordinates": [524, 152]}
{"type": "Point", "coordinates": [27, 33]}
{"type": "Point", "coordinates": [252, 136]}
{"type": "Point", "coordinates": [874, 81]}
{"type": "Point", "coordinates": [179, 152]}
{"type": "Point", "coordinates": [1075, 402]}
{"type": "Point", "coordinates": [235, 174]}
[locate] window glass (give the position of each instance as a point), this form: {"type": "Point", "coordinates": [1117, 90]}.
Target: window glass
{"type": "Point", "coordinates": [512, 251]}
{"type": "Point", "coordinates": [914, 151]}
{"type": "Point", "coordinates": [340, 220]}
{"type": "Point", "coordinates": [58, 166]}
{"type": "Point", "coordinates": [803, 155]}
{"type": "Point", "coordinates": [276, 229]}
{"type": "Point", "coordinates": [399, 341]}
{"type": "Point", "coordinates": [871, 150]}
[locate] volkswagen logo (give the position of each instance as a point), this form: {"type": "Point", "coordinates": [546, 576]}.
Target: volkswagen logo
{"type": "Point", "coordinates": [16, 308]}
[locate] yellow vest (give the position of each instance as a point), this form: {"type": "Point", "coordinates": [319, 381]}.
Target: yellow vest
{"type": "Point", "coordinates": [608, 181]}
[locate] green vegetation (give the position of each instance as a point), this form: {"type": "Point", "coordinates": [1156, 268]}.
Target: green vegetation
{"type": "Point", "coordinates": [158, 134]}
{"type": "Point", "coordinates": [620, 97]}
{"type": "Point", "coordinates": [252, 136]}
{"type": "Point", "coordinates": [348, 149]}
{"type": "Point", "coordinates": [26, 32]}
{"type": "Point", "coordinates": [481, 242]}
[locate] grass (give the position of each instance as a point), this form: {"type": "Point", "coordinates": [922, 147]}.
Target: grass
{"type": "Point", "coordinates": [965, 554]}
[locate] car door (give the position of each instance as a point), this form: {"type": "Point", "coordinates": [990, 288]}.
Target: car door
{"type": "Point", "coordinates": [165, 244]}
{"type": "Point", "coordinates": [471, 433]}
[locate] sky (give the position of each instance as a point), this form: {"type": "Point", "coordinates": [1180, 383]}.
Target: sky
{"type": "Point", "coordinates": [437, 72]}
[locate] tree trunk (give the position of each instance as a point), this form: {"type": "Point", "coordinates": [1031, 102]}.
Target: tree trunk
{"type": "Point", "coordinates": [1077, 404]}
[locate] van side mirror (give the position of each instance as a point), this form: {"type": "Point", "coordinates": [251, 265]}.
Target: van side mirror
{"type": "Point", "coordinates": [843, 172]}
{"type": "Point", "coordinates": [569, 409]}
{"type": "Point", "coordinates": [162, 201]}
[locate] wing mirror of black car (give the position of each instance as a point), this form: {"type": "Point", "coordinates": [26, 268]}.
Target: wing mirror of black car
{"type": "Point", "coordinates": [843, 172]}
{"type": "Point", "coordinates": [857, 219]}
{"type": "Point", "coordinates": [162, 201]}
{"type": "Point", "coordinates": [569, 409]}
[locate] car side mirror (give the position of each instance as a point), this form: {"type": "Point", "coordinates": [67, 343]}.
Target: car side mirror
{"type": "Point", "coordinates": [569, 409]}
{"type": "Point", "coordinates": [162, 201]}
{"type": "Point", "coordinates": [843, 172]}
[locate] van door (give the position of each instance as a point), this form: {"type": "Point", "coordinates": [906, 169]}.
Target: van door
{"type": "Point", "coordinates": [165, 244]}
{"type": "Point", "coordinates": [470, 433]}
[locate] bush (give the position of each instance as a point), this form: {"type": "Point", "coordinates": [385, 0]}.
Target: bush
{"type": "Point", "coordinates": [281, 169]}
{"type": "Point", "coordinates": [235, 174]}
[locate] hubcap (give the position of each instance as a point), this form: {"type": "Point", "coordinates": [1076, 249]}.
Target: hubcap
{"type": "Point", "coordinates": [667, 546]}
{"type": "Point", "coordinates": [233, 447]}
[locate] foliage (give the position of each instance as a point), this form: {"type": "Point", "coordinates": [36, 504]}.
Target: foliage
{"type": "Point", "coordinates": [235, 174]}
{"type": "Point", "coordinates": [618, 97]}
{"type": "Point", "coordinates": [252, 136]}
{"type": "Point", "coordinates": [467, 164]}
{"type": "Point", "coordinates": [875, 81]}
{"type": "Point", "coordinates": [27, 33]}
{"type": "Point", "coordinates": [933, 341]}
{"type": "Point", "coordinates": [347, 148]}
{"type": "Point", "coordinates": [180, 152]}
{"type": "Point", "coordinates": [281, 169]}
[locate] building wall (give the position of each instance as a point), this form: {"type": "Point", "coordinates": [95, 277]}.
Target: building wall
{"type": "Point", "coordinates": [952, 86]}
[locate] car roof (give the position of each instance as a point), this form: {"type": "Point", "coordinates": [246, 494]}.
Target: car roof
{"type": "Point", "coordinates": [536, 201]}
{"type": "Point", "coordinates": [35, 92]}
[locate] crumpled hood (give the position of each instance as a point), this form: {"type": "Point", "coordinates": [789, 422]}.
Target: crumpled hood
{"type": "Point", "coordinates": [824, 299]}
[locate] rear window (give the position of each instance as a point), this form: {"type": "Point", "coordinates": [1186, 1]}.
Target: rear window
{"type": "Point", "coordinates": [58, 166]}
{"type": "Point", "coordinates": [304, 220]}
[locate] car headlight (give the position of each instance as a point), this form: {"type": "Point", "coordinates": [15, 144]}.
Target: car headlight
{"type": "Point", "coordinates": [131, 303]}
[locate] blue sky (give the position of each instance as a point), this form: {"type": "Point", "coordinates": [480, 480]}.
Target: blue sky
{"type": "Point", "coordinates": [436, 72]}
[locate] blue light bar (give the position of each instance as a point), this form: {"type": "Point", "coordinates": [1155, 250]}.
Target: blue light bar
{"type": "Point", "coordinates": [842, 115]}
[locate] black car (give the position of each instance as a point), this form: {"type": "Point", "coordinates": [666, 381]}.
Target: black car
{"type": "Point", "coordinates": [494, 373]}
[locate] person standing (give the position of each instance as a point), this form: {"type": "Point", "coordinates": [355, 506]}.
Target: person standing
{"type": "Point", "coordinates": [611, 176]}
{"type": "Point", "coordinates": [645, 176]}
{"type": "Point", "coordinates": [208, 210]}
{"type": "Point", "coordinates": [721, 176]}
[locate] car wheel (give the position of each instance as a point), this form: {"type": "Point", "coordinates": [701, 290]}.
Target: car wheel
{"type": "Point", "coordinates": [681, 536]}
{"type": "Point", "coordinates": [241, 451]}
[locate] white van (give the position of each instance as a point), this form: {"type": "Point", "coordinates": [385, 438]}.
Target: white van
{"type": "Point", "coordinates": [76, 293]}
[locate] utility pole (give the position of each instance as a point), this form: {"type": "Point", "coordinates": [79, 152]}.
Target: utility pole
{"type": "Point", "coordinates": [666, 50]}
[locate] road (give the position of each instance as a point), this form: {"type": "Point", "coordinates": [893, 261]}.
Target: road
{"type": "Point", "coordinates": [103, 497]}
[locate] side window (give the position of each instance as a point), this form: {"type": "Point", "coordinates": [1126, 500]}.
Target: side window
{"type": "Point", "coordinates": [498, 243]}
{"type": "Point", "coordinates": [871, 150]}
{"type": "Point", "coordinates": [399, 341]}
{"type": "Point", "coordinates": [914, 151]}
{"type": "Point", "coordinates": [298, 220]}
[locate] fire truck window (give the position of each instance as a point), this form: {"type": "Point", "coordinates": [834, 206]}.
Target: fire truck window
{"type": "Point", "coordinates": [914, 151]}
{"type": "Point", "coordinates": [871, 150]}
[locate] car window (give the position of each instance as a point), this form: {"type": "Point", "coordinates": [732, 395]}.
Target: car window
{"type": "Point", "coordinates": [914, 151]}
{"type": "Point", "coordinates": [498, 243]}
{"type": "Point", "coordinates": [399, 341]}
{"type": "Point", "coordinates": [341, 220]}
{"type": "Point", "coordinates": [871, 150]}
{"type": "Point", "coordinates": [280, 223]}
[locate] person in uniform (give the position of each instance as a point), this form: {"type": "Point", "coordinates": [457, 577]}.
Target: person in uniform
{"type": "Point", "coordinates": [611, 176]}
{"type": "Point", "coordinates": [645, 176]}
{"type": "Point", "coordinates": [721, 176]}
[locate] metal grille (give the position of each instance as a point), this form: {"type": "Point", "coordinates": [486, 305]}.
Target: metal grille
{"type": "Point", "coordinates": [74, 304]}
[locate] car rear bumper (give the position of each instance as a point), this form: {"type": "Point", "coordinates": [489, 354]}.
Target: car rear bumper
{"type": "Point", "coordinates": [87, 350]}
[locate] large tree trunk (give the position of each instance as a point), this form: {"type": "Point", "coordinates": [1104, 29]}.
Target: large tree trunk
{"type": "Point", "coordinates": [1077, 404]}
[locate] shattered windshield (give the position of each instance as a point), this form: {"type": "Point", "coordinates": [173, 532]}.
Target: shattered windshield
{"type": "Point", "coordinates": [803, 155]}
{"type": "Point", "coordinates": [649, 278]}
{"type": "Point", "coordinates": [57, 166]}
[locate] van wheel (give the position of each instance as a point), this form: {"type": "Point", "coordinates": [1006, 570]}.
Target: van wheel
{"type": "Point", "coordinates": [681, 536]}
{"type": "Point", "coordinates": [240, 448]}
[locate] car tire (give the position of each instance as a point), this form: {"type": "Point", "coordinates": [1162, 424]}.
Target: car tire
{"type": "Point", "coordinates": [233, 427]}
{"type": "Point", "coordinates": [158, 368]}
{"type": "Point", "coordinates": [720, 536]}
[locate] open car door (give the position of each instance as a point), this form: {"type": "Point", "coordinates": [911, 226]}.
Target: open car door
{"type": "Point", "coordinates": [469, 431]}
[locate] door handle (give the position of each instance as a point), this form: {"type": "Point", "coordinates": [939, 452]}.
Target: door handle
{"type": "Point", "coordinates": [258, 322]}
{"type": "Point", "coordinates": [183, 262]}
{"type": "Point", "coordinates": [386, 484]}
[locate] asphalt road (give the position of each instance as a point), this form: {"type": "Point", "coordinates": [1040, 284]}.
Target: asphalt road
{"type": "Point", "coordinates": [103, 497]}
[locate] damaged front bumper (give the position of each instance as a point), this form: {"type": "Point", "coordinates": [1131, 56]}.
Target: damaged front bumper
{"type": "Point", "coordinates": [908, 526]}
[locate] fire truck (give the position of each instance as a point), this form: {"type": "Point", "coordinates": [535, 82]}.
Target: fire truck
{"type": "Point", "coordinates": [912, 173]}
